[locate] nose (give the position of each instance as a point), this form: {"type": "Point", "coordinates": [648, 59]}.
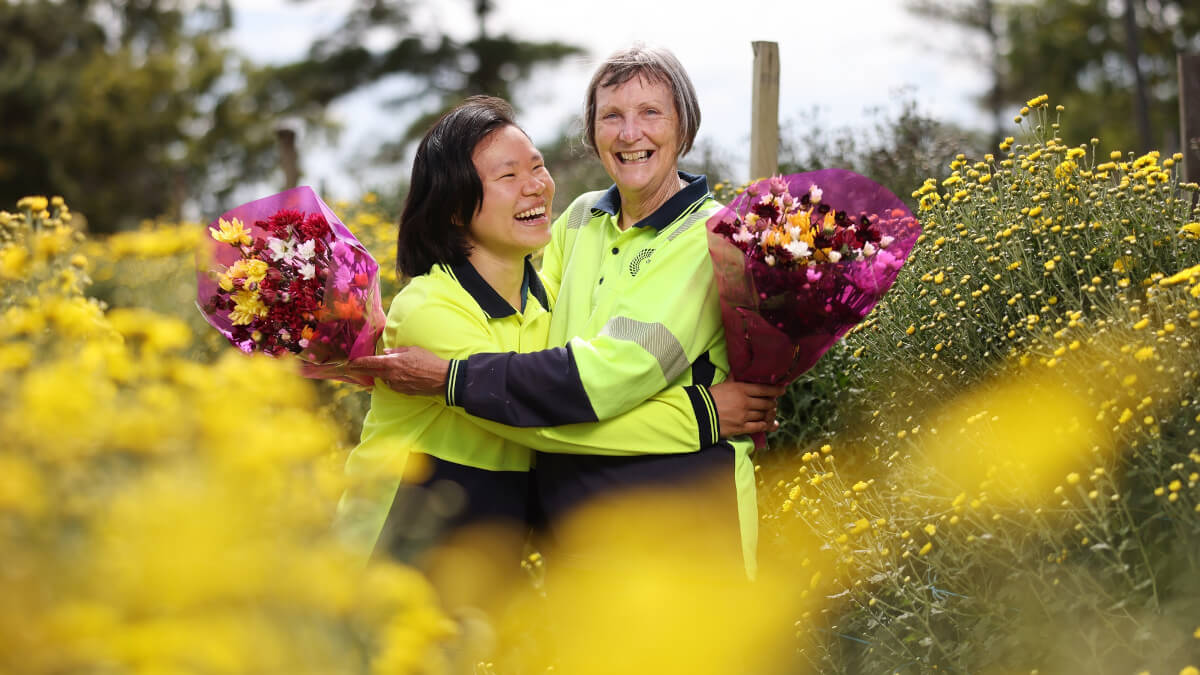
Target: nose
{"type": "Point", "coordinates": [534, 186]}
{"type": "Point", "coordinates": [630, 129]}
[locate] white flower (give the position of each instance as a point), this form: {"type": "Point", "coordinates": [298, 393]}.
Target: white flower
{"type": "Point", "coordinates": [308, 270]}
{"type": "Point", "coordinates": [307, 250]}
{"type": "Point", "coordinates": [281, 249]}
{"type": "Point", "coordinates": [868, 249]}
{"type": "Point", "coordinates": [769, 259]}
{"type": "Point", "coordinates": [743, 236]}
{"type": "Point", "coordinates": [834, 256]}
{"type": "Point", "coordinates": [815, 193]}
{"type": "Point", "coordinates": [885, 241]}
{"type": "Point", "coordinates": [798, 249]}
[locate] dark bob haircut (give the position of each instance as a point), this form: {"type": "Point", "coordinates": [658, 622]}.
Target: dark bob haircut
{"type": "Point", "coordinates": [445, 191]}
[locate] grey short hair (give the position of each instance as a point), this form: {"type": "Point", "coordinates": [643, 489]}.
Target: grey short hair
{"type": "Point", "coordinates": [657, 65]}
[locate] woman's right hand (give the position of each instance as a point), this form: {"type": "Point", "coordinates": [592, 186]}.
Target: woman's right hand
{"type": "Point", "coordinates": [744, 408]}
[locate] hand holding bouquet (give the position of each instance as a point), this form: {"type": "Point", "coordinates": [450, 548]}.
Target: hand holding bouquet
{"type": "Point", "coordinates": [799, 260]}
{"type": "Point", "coordinates": [283, 274]}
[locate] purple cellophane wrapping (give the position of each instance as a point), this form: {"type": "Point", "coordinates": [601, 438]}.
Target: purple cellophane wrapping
{"type": "Point", "coordinates": [350, 318]}
{"type": "Point", "coordinates": [779, 322]}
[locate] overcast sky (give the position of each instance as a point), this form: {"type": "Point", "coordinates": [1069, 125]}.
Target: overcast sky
{"type": "Point", "coordinates": [844, 56]}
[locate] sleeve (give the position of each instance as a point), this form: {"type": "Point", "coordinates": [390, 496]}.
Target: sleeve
{"type": "Point", "coordinates": [669, 317]}
{"type": "Point", "coordinates": [667, 424]}
{"type": "Point", "coordinates": [680, 420]}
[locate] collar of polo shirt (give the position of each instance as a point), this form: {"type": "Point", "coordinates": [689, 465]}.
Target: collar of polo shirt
{"type": "Point", "coordinates": [489, 300]}
{"type": "Point", "coordinates": [691, 194]}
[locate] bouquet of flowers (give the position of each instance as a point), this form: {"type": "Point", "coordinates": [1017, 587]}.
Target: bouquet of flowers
{"type": "Point", "coordinates": [283, 274]}
{"type": "Point", "coordinates": [799, 260]}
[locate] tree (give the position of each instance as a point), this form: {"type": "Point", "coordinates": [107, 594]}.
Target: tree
{"type": "Point", "coordinates": [129, 109]}
{"type": "Point", "coordinates": [448, 71]}
{"type": "Point", "coordinates": [975, 16]}
{"type": "Point", "coordinates": [1111, 62]}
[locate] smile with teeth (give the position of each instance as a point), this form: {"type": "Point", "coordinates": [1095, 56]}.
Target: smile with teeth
{"type": "Point", "coordinates": [633, 156]}
{"type": "Point", "coordinates": [530, 214]}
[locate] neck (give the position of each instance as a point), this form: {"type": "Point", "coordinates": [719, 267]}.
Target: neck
{"type": "Point", "coordinates": [503, 273]}
{"type": "Point", "coordinates": [635, 207]}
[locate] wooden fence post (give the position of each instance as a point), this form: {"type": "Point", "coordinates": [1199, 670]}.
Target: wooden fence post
{"type": "Point", "coordinates": [764, 111]}
{"type": "Point", "coordinates": [289, 158]}
{"type": "Point", "coordinates": [1189, 118]}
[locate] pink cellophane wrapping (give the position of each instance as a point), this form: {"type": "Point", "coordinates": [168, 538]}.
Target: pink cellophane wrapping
{"type": "Point", "coordinates": [350, 316]}
{"type": "Point", "coordinates": [779, 322]}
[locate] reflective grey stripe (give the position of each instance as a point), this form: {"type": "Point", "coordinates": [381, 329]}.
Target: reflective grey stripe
{"type": "Point", "coordinates": [688, 222]}
{"type": "Point", "coordinates": [583, 212]}
{"type": "Point", "coordinates": [654, 338]}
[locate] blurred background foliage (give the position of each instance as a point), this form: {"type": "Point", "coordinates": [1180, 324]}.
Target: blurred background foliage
{"type": "Point", "coordinates": [1005, 450]}
{"type": "Point", "coordinates": [152, 92]}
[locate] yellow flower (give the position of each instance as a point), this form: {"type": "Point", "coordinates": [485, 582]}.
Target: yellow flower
{"type": "Point", "coordinates": [1191, 230]}
{"type": "Point", "coordinates": [1144, 353]}
{"type": "Point", "coordinates": [931, 529]}
{"type": "Point", "coordinates": [1183, 276]}
{"type": "Point", "coordinates": [232, 232]}
{"type": "Point", "coordinates": [926, 548]}
{"type": "Point", "coordinates": [14, 262]}
{"type": "Point", "coordinates": [251, 269]}
{"type": "Point", "coordinates": [247, 306]}
{"type": "Point", "coordinates": [15, 355]}
{"type": "Point", "coordinates": [21, 487]}
{"type": "Point", "coordinates": [1037, 100]}
{"type": "Point", "coordinates": [37, 204]}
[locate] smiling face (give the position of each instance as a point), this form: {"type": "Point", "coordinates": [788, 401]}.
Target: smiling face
{"type": "Point", "coordinates": [637, 138]}
{"type": "Point", "coordinates": [513, 219]}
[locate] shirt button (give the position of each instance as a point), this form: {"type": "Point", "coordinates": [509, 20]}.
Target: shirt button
{"type": "Point", "coordinates": [601, 281]}
{"type": "Point", "coordinates": [615, 250]}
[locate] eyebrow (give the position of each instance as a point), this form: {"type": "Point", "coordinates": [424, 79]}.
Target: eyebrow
{"type": "Point", "coordinates": [537, 157]}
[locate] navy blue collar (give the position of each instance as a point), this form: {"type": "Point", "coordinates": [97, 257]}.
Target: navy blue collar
{"type": "Point", "coordinates": [489, 300]}
{"type": "Point", "coordinates": [695, 190]}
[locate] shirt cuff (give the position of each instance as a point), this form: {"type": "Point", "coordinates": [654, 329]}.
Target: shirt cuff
{"type": "Point", "coordinates": [706, 414]}
{"type": "Point", "coordinates": [456, 379]}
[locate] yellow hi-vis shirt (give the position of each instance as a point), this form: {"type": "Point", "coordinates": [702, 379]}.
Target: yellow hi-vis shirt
{"type": "Point", "coordinates": [453, 313]}
{"type": "Point", "coordinates": [637, 312]}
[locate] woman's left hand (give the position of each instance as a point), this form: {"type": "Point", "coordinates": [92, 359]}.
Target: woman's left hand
{"type": "Point", "coordinates": [408, 370]}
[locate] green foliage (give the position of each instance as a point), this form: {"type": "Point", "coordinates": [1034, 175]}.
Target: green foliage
{"type": "Point", "coordinates": [900, 149]}
{"type": "Point", "coordinates": [1079, 52]}
{"type": "Point", "coordinates": [448, 71]}
{"type": "Point", "coordinates": [1014, 429]}
{"type": "Point", "coordinates": [95, 90]}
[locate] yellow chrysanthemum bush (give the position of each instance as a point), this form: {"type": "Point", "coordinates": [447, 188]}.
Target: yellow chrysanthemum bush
{"type": "Point", "coordinates": [1010, 481]}
{"type": "Point", "coordinates": [161, 514]}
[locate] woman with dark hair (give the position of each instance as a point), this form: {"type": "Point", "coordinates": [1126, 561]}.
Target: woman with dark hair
{"type": "Point", "coordinates": [478, 205]}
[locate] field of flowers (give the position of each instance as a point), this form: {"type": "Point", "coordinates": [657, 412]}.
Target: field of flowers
{"type": "Point", "coordinates": [997, 472]}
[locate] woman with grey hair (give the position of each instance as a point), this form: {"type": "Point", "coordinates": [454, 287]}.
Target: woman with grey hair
{"type": "Point", "coordinates": [636, 312]}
